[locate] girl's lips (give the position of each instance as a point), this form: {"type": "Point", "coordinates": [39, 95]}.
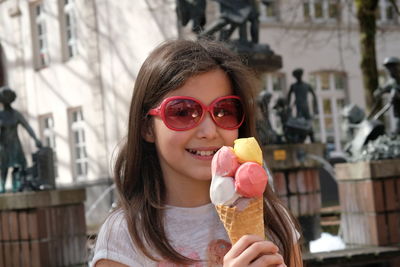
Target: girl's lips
{"type": "Point", "coordinates": [207, 158]}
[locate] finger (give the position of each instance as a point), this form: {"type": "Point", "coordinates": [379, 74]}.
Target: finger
{"type": "Point", "coordinates": [258, 249]}
{"type": "Point", "coordinates": [243, 243]}
{"type": "Point", "coordinates": [269, 260]}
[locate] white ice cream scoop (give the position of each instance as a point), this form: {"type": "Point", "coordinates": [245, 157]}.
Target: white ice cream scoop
{"type": "Point", "coordinates": [222, 191]}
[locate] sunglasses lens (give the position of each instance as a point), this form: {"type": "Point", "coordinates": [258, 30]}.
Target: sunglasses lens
{"type": "Point", "coordinates": [228, 113]}
{"type": "Point", "coordinates": [182, 113]}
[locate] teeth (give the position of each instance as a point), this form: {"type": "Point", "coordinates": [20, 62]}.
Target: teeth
{"type": "Point", "coordinates": [203, 153]}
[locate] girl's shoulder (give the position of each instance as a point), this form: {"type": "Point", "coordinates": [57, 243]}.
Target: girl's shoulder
{"type": "Point", "coordinates": [114, 228]}
{"type": "Point", "coordinates": [114, 242]}
{"type": "Point", "coordinates": [114, 224]}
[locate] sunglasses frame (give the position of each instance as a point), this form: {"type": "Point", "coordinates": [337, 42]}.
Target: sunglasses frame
{"type": "Point", "coordinates": [160, 111]}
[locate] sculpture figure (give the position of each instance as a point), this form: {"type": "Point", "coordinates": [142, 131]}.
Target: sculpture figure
{"type": "Point", "coordinates": [360, 130]}
{"type": "Point", "coordinates": [370, 142]}
{"type": "Point", "coordinates": [392, 87]}
{"type": "Point", "coordinates": [11, 153]}
{"type": "Point", "coordinates": [368, 138]}
{"type": "Point", "coordinates": [234, 14]}
{"type": "Point", "coordinates": [352, 115]}
{"type": "Point", "coordinates": [264, 128]}
{"type": "Point", "coordinates": [194, 10]}
{"type": "Point", "coordinates": [301, 90]}
{"type": "Point", "coordinates": [295, 130]}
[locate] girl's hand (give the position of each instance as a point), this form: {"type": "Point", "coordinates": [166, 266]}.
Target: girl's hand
{"type": "Point", "coordinates": [252, 250]}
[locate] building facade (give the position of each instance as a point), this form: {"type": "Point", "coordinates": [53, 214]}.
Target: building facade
{"type": "Point", "coordinates": [73, 65]}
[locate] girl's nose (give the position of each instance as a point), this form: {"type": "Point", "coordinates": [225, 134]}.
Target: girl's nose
{"type": "Point", "coordinates": [207, 128]}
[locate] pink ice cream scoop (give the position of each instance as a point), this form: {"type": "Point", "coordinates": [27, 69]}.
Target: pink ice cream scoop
{"type": "Point", "coordinates": [224, 162]}
{"type": "Point", "coordinates": [250, 180]}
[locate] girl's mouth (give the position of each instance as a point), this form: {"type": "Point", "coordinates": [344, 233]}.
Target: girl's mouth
{"type": "Point", "coordinates": [202, 153]}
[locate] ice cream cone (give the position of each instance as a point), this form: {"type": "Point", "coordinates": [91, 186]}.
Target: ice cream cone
{"type": "Point", "coordinates": [239, 222]}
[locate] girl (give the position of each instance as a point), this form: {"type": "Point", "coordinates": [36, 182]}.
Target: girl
{"type": "Point", "coordinates": [190, 98]}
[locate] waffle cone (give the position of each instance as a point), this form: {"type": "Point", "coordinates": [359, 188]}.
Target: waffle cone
{"type": "Point", "coordinates": [237, 222]}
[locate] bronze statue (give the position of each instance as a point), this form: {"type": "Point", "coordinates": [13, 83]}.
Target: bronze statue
{"type": "Point", "coordinates": [360, 130]}
{"type": "Point", "coordinates": [235, 14]}
{"type": "Point", "coordinates": [295, 130]}
{"type": "Point", "coordinates": [352, 115]}
{"type": "Point", "coordinates": [11, 153]}
{"type": "Point", "coordinates": [392, 87]}
{"type": "Point", "coordinates": [264, 128]}
{"type": "Point", "coordinates": [241, 15]}
{"type": "Point", "coordinates": [301, 90]}
{"type": "Point", "coordinates": [194, 10]}
{"type": "Point", "coordinates": [370, 142]}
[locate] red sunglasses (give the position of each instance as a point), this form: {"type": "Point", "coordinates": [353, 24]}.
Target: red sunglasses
{"type": "Point", "coordinates": [181, 113]}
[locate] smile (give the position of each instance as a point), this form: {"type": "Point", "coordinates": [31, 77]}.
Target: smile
{"type": "Point", "coordinates": [203, 153]}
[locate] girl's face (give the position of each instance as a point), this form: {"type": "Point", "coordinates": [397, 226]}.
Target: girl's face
{"type": "Point", "coordinates": [185, 156]}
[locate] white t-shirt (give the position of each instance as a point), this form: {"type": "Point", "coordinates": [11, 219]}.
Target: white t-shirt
{"type": "Point", "coordinates": [194, 232]}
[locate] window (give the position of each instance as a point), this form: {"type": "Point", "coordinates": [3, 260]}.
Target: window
{"type": "Point", "coordinates": [331, 93]}
{"type": "Point", "coordinates": [78, 144]}
{"type": "Point", "coordinates": [48, 137]}
{"type": "Point", "coordinates": [321, 10]}
{"type": "Point", "coordinates": [68, 27]}
{"type": "Point", "coordinates": [269, 10]}
{"type": "Point", "coordinates": [39, 33]}
{"type": "Point", "coordinates": [278, 82]}
{"type": "Point", "coordinates": [386, 12]}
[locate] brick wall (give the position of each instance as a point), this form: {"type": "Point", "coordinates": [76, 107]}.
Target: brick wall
{"type": "Point", "coordinates": [43, 236]}
{"type": "Point", "coordinates": [299, 190]}
{"type": "Point", "coordinates": [370, 202]}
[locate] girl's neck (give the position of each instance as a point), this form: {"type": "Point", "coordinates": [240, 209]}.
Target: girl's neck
{"type": "Point", "coordinates": [189, 193]}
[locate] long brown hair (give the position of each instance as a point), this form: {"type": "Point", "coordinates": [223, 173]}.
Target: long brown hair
{"type": "Point", "coordinates": [137, 172]}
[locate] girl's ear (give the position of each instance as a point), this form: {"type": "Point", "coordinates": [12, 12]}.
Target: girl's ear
{"type": "Point", "coordinates": [147, 132]}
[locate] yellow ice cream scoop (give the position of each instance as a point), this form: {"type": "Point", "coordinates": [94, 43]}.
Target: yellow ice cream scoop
{"type": "Point", "coordinates": [247, 149]}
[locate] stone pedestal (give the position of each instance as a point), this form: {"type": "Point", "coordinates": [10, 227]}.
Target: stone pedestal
{"type": "Point", "coordinates": [260, 57]}
{"type": "Point", "coordinates": [369, 195]}
{"type": "Point", "coordinates": [45, 228]}
{"type": "Point", "coordinates": [296, 182]}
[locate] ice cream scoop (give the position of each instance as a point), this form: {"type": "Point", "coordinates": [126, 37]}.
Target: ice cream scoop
{"type": "Point", "coordinates": [224, 162]}
{"type": "Point", "coordinates": [222, 191]}
{"type": "Point", "coordinates": [247, 149]}
{"type": "Point", "coordinates": [250, 180]}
